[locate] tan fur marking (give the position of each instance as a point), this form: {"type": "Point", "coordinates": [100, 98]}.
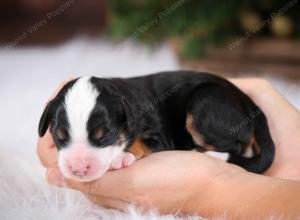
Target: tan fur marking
{"type": "Point", "coordinates": [252, 147]}
{"type": "Point", "coordinates": [209, 147]}
{"type": "Point", "coordinates": [197, 137]}
{"type": "Point", "coordinates": [98, 133]}
{"type": "Point", "coordinates": [255, 146]}
{"type": "Point", "coordinates": [60, 134]}
{"type": "Point", "coordinates": [138, 149]}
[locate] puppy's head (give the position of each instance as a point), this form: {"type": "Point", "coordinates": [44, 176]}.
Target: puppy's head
{"type": "Point", "coordinates": [86, 124]}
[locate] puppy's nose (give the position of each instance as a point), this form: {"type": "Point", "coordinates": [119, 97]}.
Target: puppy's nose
{"type": "Point", "coordinates": [80, 170]}
{"type": "Point", "coordinates": [80, 163]}
{"type": "Point", "coordinates": [81, 167]}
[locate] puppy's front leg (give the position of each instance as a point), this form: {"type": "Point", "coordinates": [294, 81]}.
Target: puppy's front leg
{"type": "Point", "coordinates": [136, 150]}
{"type": "Point", "coordinates": [124, 160]}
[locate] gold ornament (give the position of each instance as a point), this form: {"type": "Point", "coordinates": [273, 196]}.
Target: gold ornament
{"type": "Point", "coordinates": [250, 21]}
{"type": "Point", "coordinates": [282, 26]}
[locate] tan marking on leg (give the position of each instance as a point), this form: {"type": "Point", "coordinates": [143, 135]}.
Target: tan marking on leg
{"type": "Point", "coordinates": [197, 137]}
{"type": "Point", "coordinates": [138, 149]}
{"type": "Point", "coordinates": [248, 152]}
{"type": "Point", "coordinates": [209, 147]}
{"type": "Point", "coordinates": [251, 149]}
{"type": "Point", "coordinates": [255, 146]}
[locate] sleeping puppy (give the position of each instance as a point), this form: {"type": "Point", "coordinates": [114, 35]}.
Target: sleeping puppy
{"type": "Point", "coordinates": [101, 124]}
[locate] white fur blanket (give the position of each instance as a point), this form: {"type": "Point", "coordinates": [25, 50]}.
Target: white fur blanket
{"type": "Point", "coordinates": [28, 76]}
{"type": "Point", "coordinates": [25, 195]}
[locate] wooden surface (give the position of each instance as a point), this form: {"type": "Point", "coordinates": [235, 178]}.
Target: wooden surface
{"type": "Point", "coordinates": [49, 21]}
{"type": "Point", "coordinates": [253, 56]}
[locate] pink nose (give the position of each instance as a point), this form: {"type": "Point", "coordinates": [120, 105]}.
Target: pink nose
{"type": "Point", "coordinates": [80, 170]}
{"type": "Point", "coordinates": [81, 162]}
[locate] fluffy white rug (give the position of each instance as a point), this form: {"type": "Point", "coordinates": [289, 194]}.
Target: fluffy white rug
{"type": "Point", "coordinates": [26, 196]}
{"type": "Point", "coordinates": [28, 77]}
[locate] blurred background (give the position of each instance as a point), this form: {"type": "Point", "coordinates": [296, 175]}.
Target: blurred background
{"type": "Point", "coordinates": [43, 42]}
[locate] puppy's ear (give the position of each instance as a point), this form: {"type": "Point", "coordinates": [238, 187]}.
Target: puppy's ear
{"type": "Point", "coordinates": [47, 117]}
{"type": "Point", "coordinates": [130, 115]}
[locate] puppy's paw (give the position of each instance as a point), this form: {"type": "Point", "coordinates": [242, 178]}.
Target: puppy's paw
{"type": "Point", "coordinates": [124, 160]}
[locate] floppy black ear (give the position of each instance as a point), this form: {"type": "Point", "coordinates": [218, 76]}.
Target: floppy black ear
{"type": "Point", "coordinates": [47, 117]}
{"type": "Point", "coordinates": [51, 107]}
{"type": "Point", "coordinates": [130, 114]}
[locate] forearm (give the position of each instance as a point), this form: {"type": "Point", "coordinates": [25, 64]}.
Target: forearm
{"type": "Point", "coordinates": [249, 196]}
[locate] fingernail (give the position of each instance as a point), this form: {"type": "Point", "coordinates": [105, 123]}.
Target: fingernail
{"type": "Point", "coordinates": [54, 176]}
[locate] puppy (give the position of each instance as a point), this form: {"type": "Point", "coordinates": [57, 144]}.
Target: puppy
{"type": "Point", "coordinates": [101, 124]}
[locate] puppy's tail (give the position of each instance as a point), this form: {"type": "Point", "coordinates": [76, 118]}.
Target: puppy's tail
{"type": "Point", "coordinates": [263, 145]}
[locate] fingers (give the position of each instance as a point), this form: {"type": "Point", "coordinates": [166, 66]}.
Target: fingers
{"type": "Point", "coordinates": [54, 176]}
{"type": "Point", "coordinates": [112, 184]}
{"type": "Point", "coordinates": [108, 202]}
{"type": "Point", "coordinates": [46, 141]}
{"type": "Point", "coordinates": [264, 94]}
{"type": "Point", "coordinates": [46, 150]}
{"type": "Point", "coordinates": [60, 87]}
{"type": "Point", "coordinates": [267, 97]}
{"type": "Point", "coordinates": [252, 86]}
{"type": "Point", "coordinates": [283, 118]}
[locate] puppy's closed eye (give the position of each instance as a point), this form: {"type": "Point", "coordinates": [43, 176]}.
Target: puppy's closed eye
{"type": "Point", "coordinates": [97, 134]}
{"type": "Point", "coordinates": [61, 134]}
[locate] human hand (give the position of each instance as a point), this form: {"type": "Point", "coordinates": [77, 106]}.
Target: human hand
{"type": "Point", "coordinates": [170, 181]}
{"type": "Point", "coordinates": [284, 124]}
{"type": "Point", "coordinates": [283, 120]}
{"type": "Point", "coordinates": [178, 173]}
{"type": "Point", "coordinates": [140, 177]}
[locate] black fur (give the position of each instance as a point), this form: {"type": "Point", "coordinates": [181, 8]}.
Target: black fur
{"type": "Point", "coordinates": [154, 109]}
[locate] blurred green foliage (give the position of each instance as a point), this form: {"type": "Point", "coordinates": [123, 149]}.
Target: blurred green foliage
{"type": "Point", "coordinates": [199, 24]}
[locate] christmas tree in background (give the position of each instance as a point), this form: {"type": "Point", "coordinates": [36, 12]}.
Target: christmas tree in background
{"type": "Point", "coordinates": [201, 25]}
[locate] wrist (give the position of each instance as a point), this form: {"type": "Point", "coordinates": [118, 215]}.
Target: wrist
{"type": "Point", "coordinates": [232, 193]}
{"type": "Point", "coordinates": [241, 195]}
{"type": "Point", "coordinates": [226, 192]}
{"type": "Point", "coordinates": [216, 195]}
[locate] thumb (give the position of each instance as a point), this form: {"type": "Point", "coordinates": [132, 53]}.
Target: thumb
{"type": "Point", "coordinates": [55, 177]}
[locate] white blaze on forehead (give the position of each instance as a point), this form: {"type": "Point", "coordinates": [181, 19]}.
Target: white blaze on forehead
{"type": "Point", "coordinates": [80, 100]}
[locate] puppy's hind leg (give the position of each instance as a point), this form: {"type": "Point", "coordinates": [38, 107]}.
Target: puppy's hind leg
{"type": "Point", "coordinates": [219, 118]}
